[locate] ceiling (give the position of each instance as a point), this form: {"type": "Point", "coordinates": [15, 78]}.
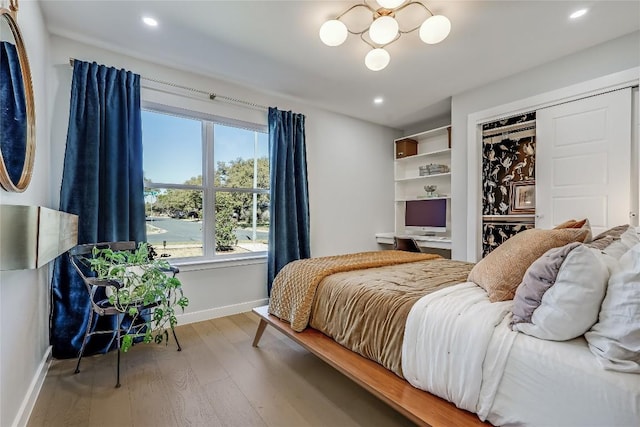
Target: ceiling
{"type": "Point", "coordinates": [274, 46]}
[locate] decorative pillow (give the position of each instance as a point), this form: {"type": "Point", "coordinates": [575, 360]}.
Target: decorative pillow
{"type": "Point", "coordinates": [582, 224]}
{"type": "Point", "coordinates": [572, 223]}
{"type": "Point", "coordinates": [561, 292]}
{"type": "Point", "coordinates": [500, 272]}
{"type": "Point", "coordinates": [616, 232]}
{"type": "Point", "coordinates": [630, 237]}
{"type": "Point", "coordinates": [602, 243]}
{"type": "Point", "coordinates": [617, 240]}
{"type": "Point", "coordinates": [615, 339]}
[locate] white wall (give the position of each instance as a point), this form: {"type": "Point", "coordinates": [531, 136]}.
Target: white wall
{"type": "Point", "coordinates": [610, 57]}
{"type": "Point", "coordinates": [24, 302]}
{"type": "Point", "coordinates": [349, 163]}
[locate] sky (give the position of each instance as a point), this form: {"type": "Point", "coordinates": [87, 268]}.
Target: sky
{"type": "Point", "coordinates": [172, 146]}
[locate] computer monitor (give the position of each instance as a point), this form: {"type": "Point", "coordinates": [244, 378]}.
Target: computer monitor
{"type": "Point", "coordinates": [425, 216]}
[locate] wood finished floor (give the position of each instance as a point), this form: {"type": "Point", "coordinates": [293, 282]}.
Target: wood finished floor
{"type": "Point", "coordinates": [218, 379]}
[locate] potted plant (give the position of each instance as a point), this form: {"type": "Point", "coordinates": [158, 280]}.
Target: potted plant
{"type": "Point", "coordinates": [141, 284]}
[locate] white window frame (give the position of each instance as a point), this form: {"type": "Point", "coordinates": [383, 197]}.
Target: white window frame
{"type": "Point", "coordinates": [208, 189]}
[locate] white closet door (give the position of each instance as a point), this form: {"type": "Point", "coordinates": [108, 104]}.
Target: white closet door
{"type": "Point", "coordinates": [583, 152]}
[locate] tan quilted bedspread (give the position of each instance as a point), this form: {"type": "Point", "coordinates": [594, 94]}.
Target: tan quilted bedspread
{"type": "Point", "coordinates": [366, 311]}
{"type": "Point", "coordinates": [295, 285]}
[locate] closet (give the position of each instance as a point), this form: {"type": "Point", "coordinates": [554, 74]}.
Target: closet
{"type": "Point", "coordinates": [508, 178]}
{"type": "Point", "coordinates": [570, 160]}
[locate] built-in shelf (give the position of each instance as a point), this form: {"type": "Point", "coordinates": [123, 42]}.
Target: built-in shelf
{"type": "Point", "coordinates": [431, 153]}
{"type": "Point", "coordinates": [428, 242]}
{"type": "Point", "coordinates": [423, 198]}
{"type": "Point", "coordinates": [415, 178]}
{"type": "Point", "coordinates": [429, 133]}
{"type": "Point", "coordinates": [432, 147]}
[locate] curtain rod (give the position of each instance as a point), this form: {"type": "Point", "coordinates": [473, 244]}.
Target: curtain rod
{"type": "Point", "coordinates": [210, 95]}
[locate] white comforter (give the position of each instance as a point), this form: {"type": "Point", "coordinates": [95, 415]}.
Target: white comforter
{"type": "Point", "coordinates": [453, 349]}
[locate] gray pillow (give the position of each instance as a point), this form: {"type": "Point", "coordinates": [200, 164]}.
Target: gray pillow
{"type": "Point", "coordinates": [561, 292]}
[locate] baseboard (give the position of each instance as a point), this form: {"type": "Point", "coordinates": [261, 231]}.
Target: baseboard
{"type": "Point", "coordinates": [216, 312]}
{"type": "Point", "coordinates": [29, 401]}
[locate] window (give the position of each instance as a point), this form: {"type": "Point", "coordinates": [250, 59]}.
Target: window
{"type": "Point", "coordinates": [206, 185]}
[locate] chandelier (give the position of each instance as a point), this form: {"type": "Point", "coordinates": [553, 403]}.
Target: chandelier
{"type": "Point", "coordinates": [384, 29]}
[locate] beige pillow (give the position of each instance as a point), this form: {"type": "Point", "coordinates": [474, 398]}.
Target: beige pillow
{"type": "Point", "coordinates": [582, 224]}
{"type": "Point", "coordinates": [500, 272]}
{"type": "Point", "coordinates": [572, 223]}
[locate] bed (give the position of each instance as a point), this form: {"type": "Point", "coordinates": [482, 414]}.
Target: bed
{"type": "Point", "coordinates": [433, 345]}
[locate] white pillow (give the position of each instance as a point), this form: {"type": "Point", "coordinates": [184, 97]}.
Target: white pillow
{"type": "Point", "coordinates": [630, 237]}
{"type": "Point", "coordinates": [625, 237]}
{"type": "Point", "coordinates": [567, 303]}
{"type": "Point", "coordinates": [615, 339]}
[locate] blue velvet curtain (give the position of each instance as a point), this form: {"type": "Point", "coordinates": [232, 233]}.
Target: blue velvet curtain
{"type": "Point", "coordinates": [13, 111]}
{"type": "Point", "coordinates": [102, 183]}
{"type": "Point", "coordinates": [289, 194]}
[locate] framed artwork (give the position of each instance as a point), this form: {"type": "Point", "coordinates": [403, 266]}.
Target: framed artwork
{"type": "Point", "coordinates": [523, 197]}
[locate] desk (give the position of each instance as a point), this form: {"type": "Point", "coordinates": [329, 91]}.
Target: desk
{"type": "Point", "coordinates": [422, 241]}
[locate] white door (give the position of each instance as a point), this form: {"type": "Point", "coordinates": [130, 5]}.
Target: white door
{"type": "Point", "coordinates": [583, 160]}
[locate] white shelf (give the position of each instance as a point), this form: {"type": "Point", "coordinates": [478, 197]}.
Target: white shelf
{"type": "Point", "coordinates": [431, 153]}
{"type": "Point", "coordinates": [422, 241]}
{"type": "Point", "coordinates": [425, 134]}
{"type": "Point", "coordinates": [415, 178]}
{"type": "Point", "coordinates": [423, 198]}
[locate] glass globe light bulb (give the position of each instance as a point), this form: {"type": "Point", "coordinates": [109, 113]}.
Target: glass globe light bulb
{"type": "Point", "coordinates": [390, 4]}
{"type": "Point", "coordinates": [333, 32]}
{"type": "Point", "coordinates": [435, 29]}
{"type": "Point", "coordinates": [377, 59]}
{"type": "Point", "coordinates": [383, 30]}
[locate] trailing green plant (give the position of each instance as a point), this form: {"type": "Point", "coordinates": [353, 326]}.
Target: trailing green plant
{"type": "Point", "coordinates": [143, 281]}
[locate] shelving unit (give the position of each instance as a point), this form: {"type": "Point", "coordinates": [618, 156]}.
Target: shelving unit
{"type": "Point", "coordinates": [433, 146]}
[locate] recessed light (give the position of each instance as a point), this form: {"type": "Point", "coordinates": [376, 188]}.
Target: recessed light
{"type": "Point", "coordinates": [149, 21]}
{"type": "Point", "coordinates": [578, 13]}
{"type": "Point", "coordinates": [378, 100]}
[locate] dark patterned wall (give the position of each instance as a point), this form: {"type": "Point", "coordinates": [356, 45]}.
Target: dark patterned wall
{"type": "Point", "coordinates": [504, 162]}
{"type": "Point", "coordinates": [506, 159]}
{"type": "Point", "coordinates": [527, 117]}
{"type": "Point", "coordinates": [495, 234]}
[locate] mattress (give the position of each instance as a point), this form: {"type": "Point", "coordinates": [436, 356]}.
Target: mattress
{"type": "Point", "coordinates": [561, 384]}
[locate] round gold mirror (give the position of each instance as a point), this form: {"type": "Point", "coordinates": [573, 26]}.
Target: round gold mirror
{"type": "Point", "coordinates": [17, 112]}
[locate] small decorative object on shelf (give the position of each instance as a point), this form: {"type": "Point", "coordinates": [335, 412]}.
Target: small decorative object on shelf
{"type": "Point", "coordinates": [432, 169]}
{"type": "Point", "coordinates": [406, 147]}
{"type": "Point", "coordinates": [431, 190]}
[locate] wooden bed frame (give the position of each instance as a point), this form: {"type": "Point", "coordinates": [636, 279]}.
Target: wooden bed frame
{"type": "Point", "coordinates": [421, 407]}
